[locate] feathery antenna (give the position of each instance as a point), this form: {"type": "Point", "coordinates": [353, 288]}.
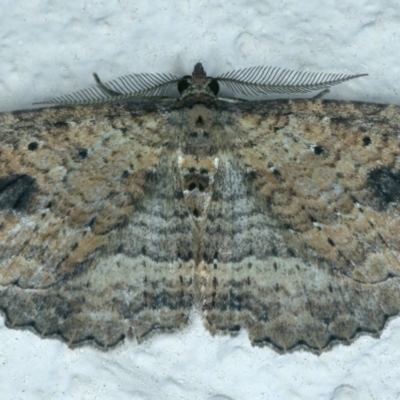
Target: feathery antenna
{"type": "Point", "coordinates": [125, 88]}
{"type": "Point", "coordinates": [266, 80]}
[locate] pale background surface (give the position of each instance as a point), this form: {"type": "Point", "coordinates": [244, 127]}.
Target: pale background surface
{"type": "Point", "coordinates": [48, 48]}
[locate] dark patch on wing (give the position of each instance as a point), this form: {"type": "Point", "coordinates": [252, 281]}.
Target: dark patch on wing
{"type": "Point", "coordinates": [339, 120]}
{"type": "Point", "coordinates": [60, 124]}
{"type": "Point", "coordinates": [385, 183]}
{"type": "Point", "coordinates": [16, 192]}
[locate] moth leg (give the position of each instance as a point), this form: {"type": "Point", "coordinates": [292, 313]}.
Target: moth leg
{"type": "Point", "coordinates": [104, 88]}
{"type": "Point", "coordinates": [321, 94]}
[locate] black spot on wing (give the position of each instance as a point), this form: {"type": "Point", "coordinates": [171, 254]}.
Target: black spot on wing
{"type": "Point", "coordinates": [33, 146]}
{"type": "Point", "coordinates": [385, 185]}
{"type": "Point", "coordinates": [82, 153]}
{"type": "Point", "coordinates": [16, 192]}
{"type": "Point", "coordinates": [318, 150]}
{"type": "Point", "coordinates": [366, 141]}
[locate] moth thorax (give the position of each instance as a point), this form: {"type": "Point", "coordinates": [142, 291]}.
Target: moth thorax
{"type": "Point", "coordinates": [199, 143]}
{"type": "Point", "coordinates": [198, 138]}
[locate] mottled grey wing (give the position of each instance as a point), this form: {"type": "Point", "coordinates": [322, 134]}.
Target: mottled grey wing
{"type": "Point", "coordinates": [93, 239]}
{"type": "Point", "coordinates": [302, 239]}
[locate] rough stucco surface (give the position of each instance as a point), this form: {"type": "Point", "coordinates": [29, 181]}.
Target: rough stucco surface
{"type": "Point", "coordinates": [48, 48]}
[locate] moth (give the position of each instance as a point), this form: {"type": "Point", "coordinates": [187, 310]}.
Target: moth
{"type": "Point", "coordinates": [123, 209]}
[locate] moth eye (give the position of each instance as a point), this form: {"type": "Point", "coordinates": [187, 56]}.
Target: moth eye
{"type": "Point", "coordinates": [214, 86]}
{"type": "Point", "coordinates": [183, 84]}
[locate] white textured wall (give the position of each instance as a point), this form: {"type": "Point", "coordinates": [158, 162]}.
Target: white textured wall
{"type": "Point", "coordinates": [49, 48]}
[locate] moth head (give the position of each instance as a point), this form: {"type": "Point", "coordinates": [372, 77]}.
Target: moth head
{"type": "Point", "coordinates": [198, 83]}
